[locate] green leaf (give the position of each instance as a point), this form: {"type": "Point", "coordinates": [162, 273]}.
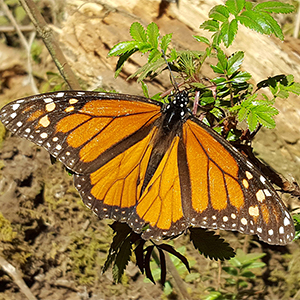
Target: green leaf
{"type": "Point", "coordinates": [154, 55]}
{"type": "Point", "coordinates": [222, 60]}
{"type": "Point", "coordinates": [210, 25]}
{"type": "Point", "coordinates": [240, 77]}
{"type": "Point", "coordinates": [202, 39]}
{"type": "Point", "coordinates": [138, 33]}
{"type": "Point", "coordinates": [273, 25]}
{"type": "Point", "coordinates": [231, 271]}
{"type": "Point", "coordinates": [122, 60]}
{"type": "Point", "coordinates": [153, 34]}
{"type": "Point", "coordinates": [233, 27]}
{"type": "Point", "coordinates": [123, 47]}
{"type": "Point", "coordinates": [274, 7]}
{"type": "Point", "coordinates": [219, 12]}
{"type": "Point", "coordinates": [242, 114]}
{"type": "Point", "coordinates": [252, 121]}
{"type": "Point", "coordinates": [165, 41]}
{"type": "Point", "coordinates": [234, 62]}
{"type": "Point", "coordinates": [225, 33]}
{"type": "Point", "coordinates": [145, 89]}
{"type": "Point", "coordinates": [210, 245]}
{"type": "Point", "coordinates": [235, 6]}
{"type": "Point", "coordinates": [248, 274]}
{"type": "Point", "coordinates": [249, 19]}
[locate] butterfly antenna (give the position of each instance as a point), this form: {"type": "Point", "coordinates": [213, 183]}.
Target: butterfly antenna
{"type": "Point", "coordinates": [171, 73]}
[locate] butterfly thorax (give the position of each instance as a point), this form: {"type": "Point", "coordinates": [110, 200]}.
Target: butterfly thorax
{"type": "Point", "coordinates": [175, 111]}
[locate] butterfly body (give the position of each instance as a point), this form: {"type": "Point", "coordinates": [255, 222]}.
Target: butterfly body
{"type": "Point", "coordinates": [142, 162]}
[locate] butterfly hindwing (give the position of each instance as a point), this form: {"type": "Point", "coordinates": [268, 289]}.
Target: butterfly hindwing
{"type": "Point", "coordinates": [229, 192]}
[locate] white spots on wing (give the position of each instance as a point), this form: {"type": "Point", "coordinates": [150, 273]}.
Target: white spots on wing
{"type": "Point", "coordinates": [244, 221]}
{"type": "Point", "coordinates": [259, 230]}
{"type": "Point", "coordinates": [73, 101]}
{"type": "Point", "coordinates": [225, 219]}
{"type": "Point", "coordinates": [271, 232]}
{"type": "Point", "coordinates": [248, 175]}
{"type": "Point", "coordinates": [44, 135]}
{"type": "Point", "coordinates": [253, 211]}
{"type": "Point", "coordinates": [60, 94]}
{"type": "Point", "coordinates": [19, 124]}
{"type": "Point", "coordinates": [48, 100]}
{"type": "Point", "coordinates": [15, 106]}
{"type": "Point", "coordinates": [267, 193]}
{"type": "Point", "coordinates": [69, 109]}
{"type": "Point", "coordinates": [68, 153]}
{"type": "Point", "coordinates": [58, 147]}
{"type": "Point", "coordinates": [27, 130]}
{"type": "Point", "coordinates": [55, 139]}
{"type": "Point", "coordinates": [260, 196]}
{"type": "Point", "coordinates": [50, 106]}
{"type": "Point", "coordinates": [44, 121]}
{"type": "Point", "coordinates": [262, 179]}
{"type": "Point", "coordinates": [13, 115]}
{"type": "Point", "coordinates": [286, 221]}
{"type": "Point", "coordinates": [233, 216]}
{"type": "Point", "coordinates": [245, 183]}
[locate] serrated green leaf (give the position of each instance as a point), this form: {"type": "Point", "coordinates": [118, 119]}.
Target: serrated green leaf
{"type": "Point", "coordinates": [210, 25]}
{"type": "Point", "coordinates": [235, 6]}
{"type": "Point", "coordinates": [154, 55]}
{"type": "Point", "coordinates": [242, 114]}
{"type": "Point", "coordinates": [274, 7]}
{"type": "Point", "coordinates": [123, 47]}
{"type": "Point", "coordinates": [255, 21]}
{"type": "Point", "coordinates": [210, 245]}
{"type": "Point", "coordinates": [294, 88]}
{"type": "Point", "coordinates": [252, 121]}
{"type": "Point", "coordinates": [266, 120]}
{"type": "Point", "coordinates": [219, 12]}
{"type": "Point", "coordinates": [222, 60]}
{"type": "Point", "coordinates": [153, 34]}
{"type": "Point", "coordinates": [217, 69]}
{"type": "Point", "coordinates": [201, 39]}
{"type": "Point", "coordinates": [240, 77]}
{"type": "Point", "coordinates": [138, 33]}
{"type": "Point", "coordinates": [145, 89]}
{"type": "Point", "coordinates": [234, 62]}
{"type": "Point", "coordinates": [233, 27]}
{"type": "Point", "coordinates": [246, 20]}
{"type": "Point", "coordinates": [165, 41]}
{"type": "Point", "coordinates": [225, 33]}
{"type": "Point", "coordinates": [256, 264]}
{"type": "Point", "coordinates": [273, 25]}
{"type": "Point", "coordinates": [217, 38]}
{"type": "Point", "coordinates": [122, 60]}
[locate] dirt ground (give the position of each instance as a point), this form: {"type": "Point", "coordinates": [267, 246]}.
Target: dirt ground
{"type": "Point", "coordinates": [46, 232]}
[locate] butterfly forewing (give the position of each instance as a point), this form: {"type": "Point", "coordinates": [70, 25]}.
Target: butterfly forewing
{"type": "Point", "coordinates": [140, 162]}
{"type": "Point", "coordinates": [81, 129]}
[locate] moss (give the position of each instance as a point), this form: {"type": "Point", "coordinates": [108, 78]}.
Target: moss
{"type": "Point", "coordinates": [88, 253]}
{"type": "Point", "coordinates": [7, 234]}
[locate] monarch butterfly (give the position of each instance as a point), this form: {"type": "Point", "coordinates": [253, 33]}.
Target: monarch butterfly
{"type": "Point", "coordinates": [143, 162]}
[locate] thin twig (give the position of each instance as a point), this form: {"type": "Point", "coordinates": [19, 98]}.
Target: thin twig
{"type": "Point", "coordinates": [23, 28]}
{"type": "Point", "coordinates": [48, 38]}
{"type": "Point", "coordinates": [24, 42]}
{"type": "Point", "coordinates": [17, 277]}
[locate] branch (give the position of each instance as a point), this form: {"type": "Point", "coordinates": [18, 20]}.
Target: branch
{"type": "Point", "coordinates": [17, 277]}
{"type": "Point", "coordinates": [48, 38]}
